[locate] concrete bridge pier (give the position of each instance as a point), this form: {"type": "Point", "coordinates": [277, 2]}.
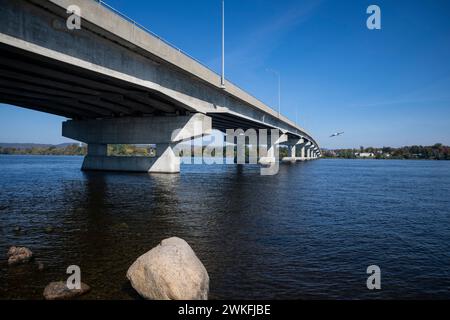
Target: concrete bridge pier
{"type": "Point", "coordinates": [302, 153]}
{"type": "Point", "coordinates": [273, 156]}
{"type": "Point", "coordinates": [293, 151]}
{"type": "Point", "coordinates": [314, 153]}
{"type": "Point", "coordinates": [305, 151]}
{"type": "Point", "coordinates": [308, 151]}
{"type": "Point", "coordinates": [293, 145]}
{"type": "Point", "coordinates": [164, 132]}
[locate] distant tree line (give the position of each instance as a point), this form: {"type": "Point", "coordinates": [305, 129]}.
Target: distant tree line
{"type": "Point", "coordinates": [77, 150]}
{"type": "Point", "coordinates": [435, 152]}
{"type": "Point", "coordinates": [70, 150]}
{"type": "Point", "coordinates": [129, 150]}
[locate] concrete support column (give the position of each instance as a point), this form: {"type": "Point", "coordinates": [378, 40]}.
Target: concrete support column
{"type": "Point", "coordinates": [273, 154]}
{"type": "Point", "coordinates": [293, 151]}
{"type": "Point", "coordinates": [164, 132]}
{"type": "Point", "coordinates": [307, 153]}
{"type": "Point", "coordinates": [293, 144]}
{"type": "Point", "coordinates": [271, 148]}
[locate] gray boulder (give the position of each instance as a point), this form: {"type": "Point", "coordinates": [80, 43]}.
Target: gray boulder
{"type": "Point", "coordinates": [59, 291]}
{"type": "Point", "coordinates": [170, 271]}
{"type": "Point", "coordinates": [18, 255]}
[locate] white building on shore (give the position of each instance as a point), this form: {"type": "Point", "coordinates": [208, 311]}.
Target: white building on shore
{"type": "Point", "coordinates": [365, 155]}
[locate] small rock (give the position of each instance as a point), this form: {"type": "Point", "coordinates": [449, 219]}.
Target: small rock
{"type": "Point", "coordinates": [59, 291]}
{"type": "Point", "coordinates": [170, 271]}
{"type": "Point", "coordinates": [49, 230]}
{"type": "Point", "coordinates": [41, 266]}
{"type": "Point", "coordinates": [17, 255]}
{"type": "Point", "coordinates": [17, 229]}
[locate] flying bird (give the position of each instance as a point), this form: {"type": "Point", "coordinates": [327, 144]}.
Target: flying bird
{"type": "Point", "coordinates": [337, 134]}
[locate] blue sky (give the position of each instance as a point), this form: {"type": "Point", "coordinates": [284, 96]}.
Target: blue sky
{"type": "Point", "coordinates": [382, 87]}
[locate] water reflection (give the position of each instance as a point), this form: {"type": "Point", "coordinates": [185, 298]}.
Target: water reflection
{"type": "Point", "coordinates": [299, 234]}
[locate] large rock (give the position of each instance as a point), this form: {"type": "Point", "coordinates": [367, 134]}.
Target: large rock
{"type": "Point", "coordinates": [17, 255]}
{"type": "Point", "coordinates": [59, 291]}
{"type": "Point", "coordinates": [170, 271]}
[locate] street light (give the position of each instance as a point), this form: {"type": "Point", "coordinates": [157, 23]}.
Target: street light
{"type": "Point", "coordinates": [276, 73]}
{"type": "Point", "coordinates": [222, 82]}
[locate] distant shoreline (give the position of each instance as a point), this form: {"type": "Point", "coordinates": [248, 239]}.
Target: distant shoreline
{"type": "Point", "coordinates": [387, 159]}
{"type": "Point", "coordinates": [437, 151]}
{"type": "Point", "coordinates": [41, 155]}
{"type": "Point", "coordinates": [323, 158]}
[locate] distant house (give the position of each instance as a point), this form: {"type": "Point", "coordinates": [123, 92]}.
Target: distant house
{"type": "Point", "coordinates": [365, 155]}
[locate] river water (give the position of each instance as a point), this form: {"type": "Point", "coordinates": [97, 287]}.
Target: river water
{"type": "Point", "coordinates": [309, 232]}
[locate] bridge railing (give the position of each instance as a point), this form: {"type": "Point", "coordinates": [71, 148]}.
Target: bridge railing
{"type": "Point", "coordinates": [140, 26]}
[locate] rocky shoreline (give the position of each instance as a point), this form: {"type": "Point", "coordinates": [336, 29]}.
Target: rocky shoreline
{"type": "Point", "coordinates": [169, 271]}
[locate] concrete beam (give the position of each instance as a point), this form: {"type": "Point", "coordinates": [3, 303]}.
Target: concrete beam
{"type": "Point", "coordinates": [31, 79]}
{"type": "Point", "coordinates": [40, 105]}
{"type": "Point", "coordinates": [53, 105]}
{"type": "Point", "coordinates": [142, 130]}
{"type": "Point", "coordinates": [88, 102]}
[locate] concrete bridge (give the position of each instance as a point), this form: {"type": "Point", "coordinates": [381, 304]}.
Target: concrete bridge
{"type": "Point", "coordinates": [120, 84]}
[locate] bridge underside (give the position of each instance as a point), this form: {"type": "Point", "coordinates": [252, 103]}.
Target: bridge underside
{"type": "Point", "coordinates": [42, 84]}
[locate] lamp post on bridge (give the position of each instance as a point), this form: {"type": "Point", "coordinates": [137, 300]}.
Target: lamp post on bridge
{"type": "Point", "coordinates": [222, 81]}
{"type": "Point", "coordinates": [277, 74]}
